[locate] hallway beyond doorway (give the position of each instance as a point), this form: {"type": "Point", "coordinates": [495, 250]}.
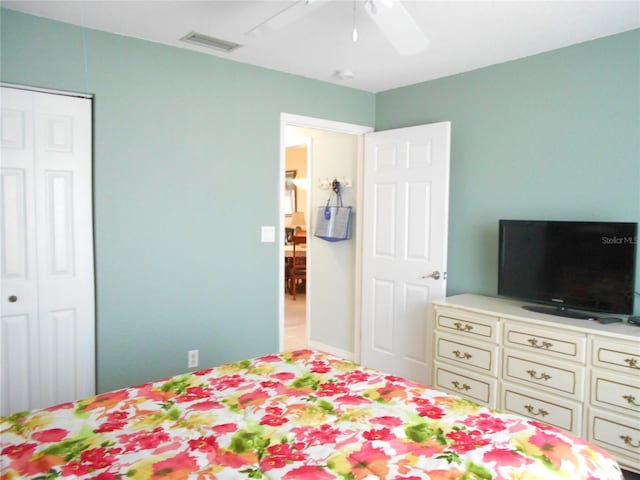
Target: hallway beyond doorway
{"type": "Point", "coordinates": [295, 322]}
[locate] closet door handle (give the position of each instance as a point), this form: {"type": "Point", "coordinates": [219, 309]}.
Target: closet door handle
{"type": "Point", "coordinates": [13, 299]}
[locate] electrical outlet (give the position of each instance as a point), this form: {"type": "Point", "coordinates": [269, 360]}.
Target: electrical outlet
{"type": "Point", "coordinates": [192, 359]}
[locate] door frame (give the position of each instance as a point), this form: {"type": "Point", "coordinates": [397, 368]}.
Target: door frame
{"type": "Point", "coordinates": [293, 120]}
{"type": "Point", "coordinates": [66, 93]}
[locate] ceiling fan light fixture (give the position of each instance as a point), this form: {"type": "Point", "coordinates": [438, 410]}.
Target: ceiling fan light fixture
{"type": "Point", "coordinates": [390, 16]}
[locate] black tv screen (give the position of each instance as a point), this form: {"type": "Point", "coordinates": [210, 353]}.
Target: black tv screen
{"type": "Point", "coordinates": [572, 265]}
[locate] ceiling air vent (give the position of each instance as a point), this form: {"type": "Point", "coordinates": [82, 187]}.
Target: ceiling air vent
{"type": "Point", "coordinates": [210, 42]}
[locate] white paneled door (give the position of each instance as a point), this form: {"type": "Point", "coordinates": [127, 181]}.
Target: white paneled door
{"type": "Point", "coordinates": [47, 339]}
{"type": "Point", "coordinates": [406, 193]}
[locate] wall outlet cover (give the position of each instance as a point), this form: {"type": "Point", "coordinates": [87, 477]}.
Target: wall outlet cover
{"type": "Point", "coordinates": [192, 358]}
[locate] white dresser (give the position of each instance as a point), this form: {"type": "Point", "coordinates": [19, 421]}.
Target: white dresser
{"type": "Point", "coordinates": [578, 375]}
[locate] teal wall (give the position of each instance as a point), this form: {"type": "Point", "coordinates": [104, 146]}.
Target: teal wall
{"type": "Point", "coordinates": [186, 171]}
{"type": "Point", "coordinates": [551, 136]}
{"type": "Point", "coordinates": [187, 159]}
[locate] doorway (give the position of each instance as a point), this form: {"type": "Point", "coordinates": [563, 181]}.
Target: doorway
{"type": "Point", "coordinates": [331, 300]}
{"type": "Point", "coordinates": [298, 153]}
{"type": "Point", "coordinates": [338, 323]}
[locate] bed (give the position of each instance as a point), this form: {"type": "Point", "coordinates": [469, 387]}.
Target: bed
{"type": "Point", "coordinates": [302, 415]}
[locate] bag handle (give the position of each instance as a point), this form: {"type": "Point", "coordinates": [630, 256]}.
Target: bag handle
{"type": "Point", "coordinates": [336, 187]}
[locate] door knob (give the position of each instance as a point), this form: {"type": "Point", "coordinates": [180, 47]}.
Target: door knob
{"type": "Point", "coordinates": [435, 275]}
{"type": "Point", "coordinates": [13, 299]}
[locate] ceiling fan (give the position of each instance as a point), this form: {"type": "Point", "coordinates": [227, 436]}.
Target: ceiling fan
{"type": "Point", "coordinates": [393, 20]}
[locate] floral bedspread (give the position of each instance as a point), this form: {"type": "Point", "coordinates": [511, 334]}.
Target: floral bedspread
{"type": "Point", "coordinates": [301, 415]}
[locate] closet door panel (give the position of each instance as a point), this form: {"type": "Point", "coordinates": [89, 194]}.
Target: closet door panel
{"type": "Point", "coordinates": [65, 246]}
{"type": "Point", "coordinates": [18, 387]}
{"type": "Point", "coordinates": [48, 312]}
{"type": "Point", "coordinates": [19, 375]}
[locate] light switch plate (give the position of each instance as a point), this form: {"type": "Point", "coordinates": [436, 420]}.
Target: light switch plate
{"type": "Point", "coordinates": [268, 234]}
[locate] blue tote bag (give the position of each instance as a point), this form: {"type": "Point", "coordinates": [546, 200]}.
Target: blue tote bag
{"type": "Point", "coordinates": [333, 222]}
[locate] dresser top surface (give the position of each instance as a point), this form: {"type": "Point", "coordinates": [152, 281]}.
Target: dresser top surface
{"type": "Point", "coordinates": [512, 309]}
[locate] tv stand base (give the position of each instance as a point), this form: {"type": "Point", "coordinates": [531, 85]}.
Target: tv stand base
{"type": "Point", "coordinates": [560, 312]}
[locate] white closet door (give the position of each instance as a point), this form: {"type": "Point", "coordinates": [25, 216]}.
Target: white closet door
{"type": "Point", "coordinates": [19, 290]}
{"type": "Point", "coordinates": [48, 317]}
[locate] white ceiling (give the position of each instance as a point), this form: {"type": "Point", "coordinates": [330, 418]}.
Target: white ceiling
{"type": "Point", "coordinates": [464, 35]}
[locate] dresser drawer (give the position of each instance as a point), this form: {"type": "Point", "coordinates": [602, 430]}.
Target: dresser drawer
{"type": "Point", "coordinates": [544, 373]}
{"type": "Point", "coordinates": [610, 390]}
{"type": "Point", "coordinates": [477, 388]}
{"type": "Point", "coordinates": [534, 339]}
{"type": "Point", "coordinates": [470, 325]}
{"type": "Point", "coordinates": [620, 356]}
{"type": "Point", "coordinates": [616, 434]}
{"type": "Point", "coordinates": [560, 413]}
{"type": "Point", "coordinates": [480, 356]}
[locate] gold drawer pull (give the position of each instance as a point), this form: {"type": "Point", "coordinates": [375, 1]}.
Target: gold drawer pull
{"type": "Point", "coordinates": [457, 385]}
{"type": "Point", "coordinates": [629, 441]}
{"type": "Point", "coordinates": [633, 362]}
{"type": "Point", "coordinates": [466, 327]}
{"type": "Point", "coordinates": [542, 376]}
{"type": "Point", "coordinates": [534, 343]}
{"type": "Point", "coordinates": [541, 412]}
{"type": "Point", "coordinates": [631, 399]}
{"type": "Point", "coordinates": [464, 355]}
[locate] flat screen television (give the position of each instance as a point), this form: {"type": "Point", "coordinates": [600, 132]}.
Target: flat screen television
{"type": "Point", "coordinates": [568, 265]}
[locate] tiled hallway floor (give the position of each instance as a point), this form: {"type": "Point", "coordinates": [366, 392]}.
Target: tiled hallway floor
{"type": "Point", "coordinates": [295, 326]}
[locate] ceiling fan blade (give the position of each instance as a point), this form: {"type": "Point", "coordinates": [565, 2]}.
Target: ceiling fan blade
{"type": "Point", "coordinates": [397, 25]}
{"type": "Point", "coordinates": [286, 16]}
